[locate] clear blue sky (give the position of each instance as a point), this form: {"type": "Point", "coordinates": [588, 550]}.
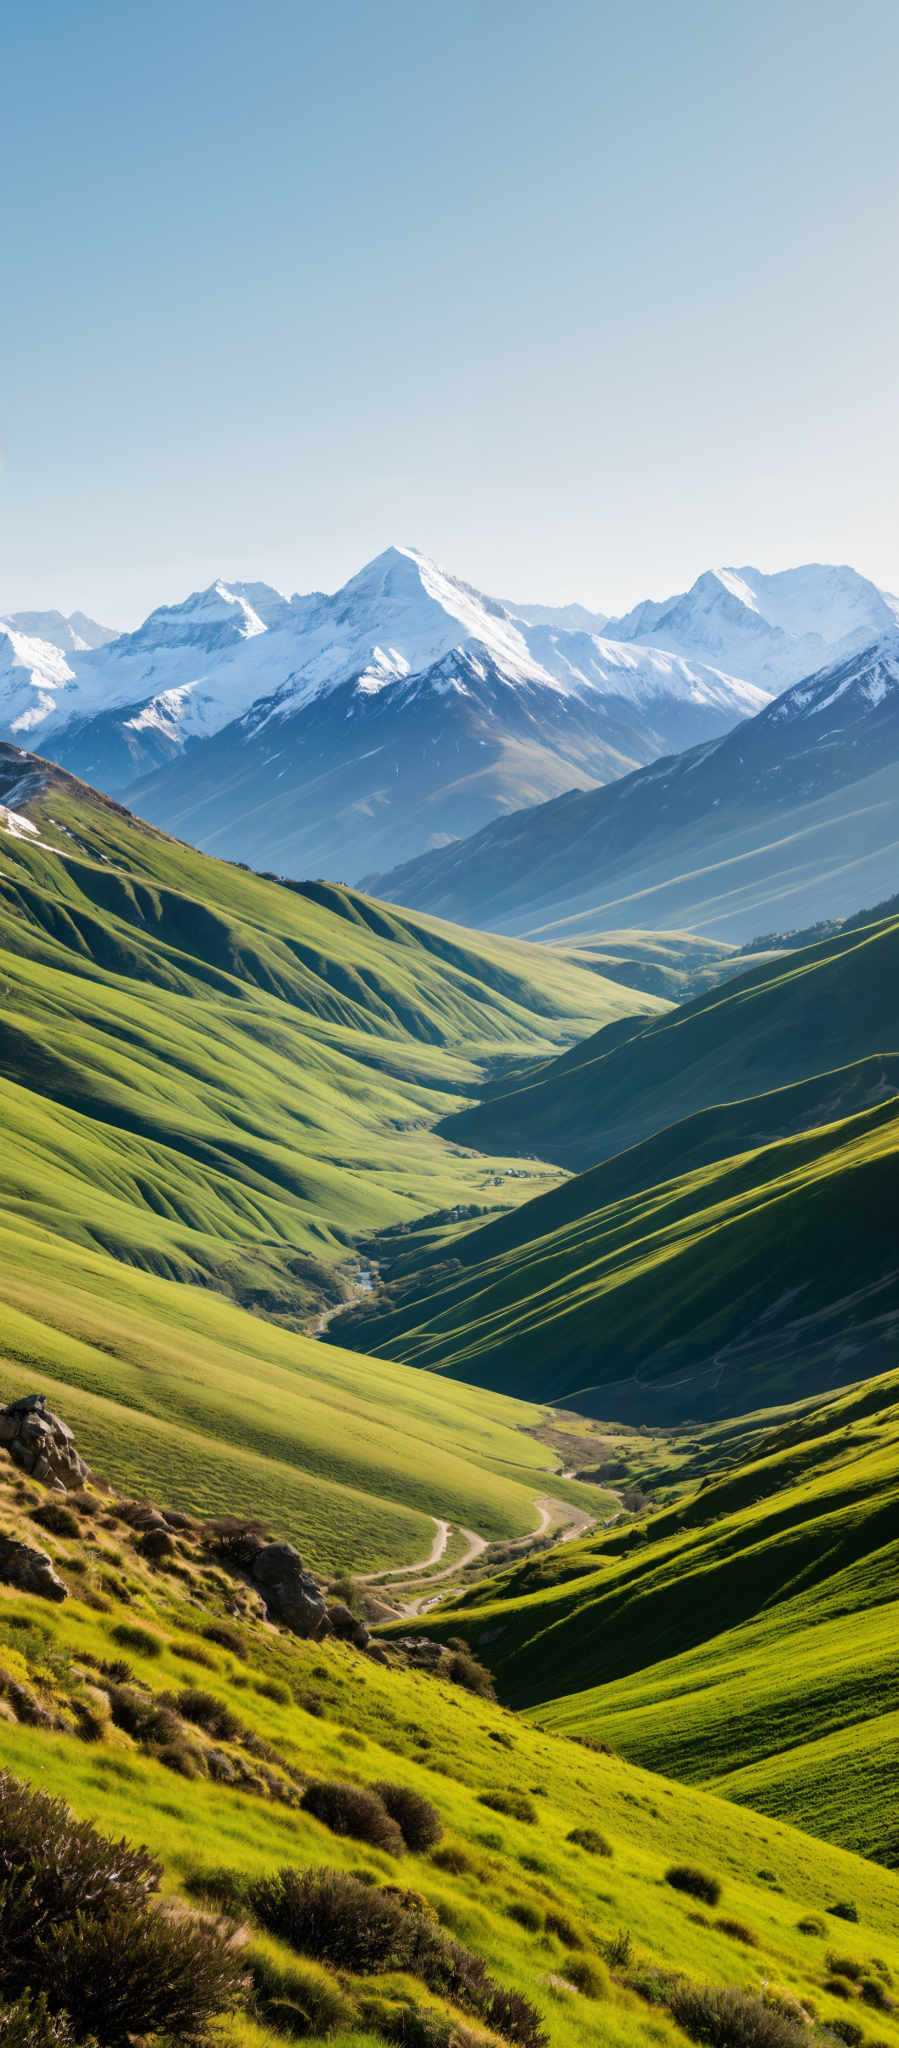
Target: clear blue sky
{"type": "Point", "coordinates": [578, 297]}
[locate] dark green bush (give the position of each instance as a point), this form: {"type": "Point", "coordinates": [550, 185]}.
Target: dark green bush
{"type": "Point", "coordinates": [226, 1637]}
{"type": "Point", "coordinates": [205, 1711]}
{"type": "Point", "coordinates": [296, 1998]}
{"type": "Point", "coordinates": [334, 1917]}
{"type": "Point", "coordinates": [843, 1910]}
{"type": "Point", "coordinates": [139, 1972]}
{"type": "Point", "coordinates": [721, 2017]}
{"type": "Point", "coordinates": [525, 1914]}
{"type": "Point", "coordinates": [839, 1987]}
{"type": "Point", "coordinates": [140, 1640]}
{"type": "Point", "coordinates": [848, 2031]}
{"type": "Point", "coordinates": [687, 1877]}
{"type": "Point", "coordinates": [564, 1930]}
{"type": "Point", "coordinates": [841, 1965]}
{"type": "Point", "coordinates": [465, 1670]}
{"type": "Point", "coordinates": [738, 1931]}
{"type": "Point", "coordinates": [337, 1919]}
{"type": "Point", "coordinates": [620, 1949]}
{"type": "Point", "coordinates": [28, 2024]}
{"type": "Point", "coordinates": [874, 1994]}
{"type": "Point", "coordinates": [588, 1975]}
{"type": "Point", "coordinates": [418, 1821]}
{"type": "Point", "coordinates": [453, 1858]}
{"type": "Point", "coordinates": [81, 1917]}
{"type": "Point", "coordinates": [591, 1840]}
{"type": "Point", "coordinates": [516, 1804]}
{"type": "Point", "coordinates": [811, 1925]}
{"type": "Point", "coordinates": [353, 1810]}
{"type": "Point", "coordinates": [57, 1517]}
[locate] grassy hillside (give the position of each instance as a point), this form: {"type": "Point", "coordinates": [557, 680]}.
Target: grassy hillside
{"type": "Point", "coordinates": [742, 1638]}
{"type": "Point", "coordinates": [785, 1020]}
{"type": "Point", "coordinates": [148, 1683]}
{"type": "Point", "coordinates": [210, 1085]}
{"type": "Point", "coordinates": [742, 1279]}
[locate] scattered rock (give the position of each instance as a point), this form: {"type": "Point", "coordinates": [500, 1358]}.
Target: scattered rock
{"type": "Point", "coordinates": [220, 1767]}
{"type": "Point", "coordinates": [347, 1626]}
{"type": "Point", "coordinates": [42, 1444]}
{"type": "Point", "coordinates": [291, 1594]}
{"type": "Point", "coordinates": [30, 1571]}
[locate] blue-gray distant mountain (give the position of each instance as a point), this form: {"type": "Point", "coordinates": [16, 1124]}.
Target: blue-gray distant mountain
{"type": "Point", "coordinates": [337, 734]}
{"type": "Point", "coordinates": [330, 733]}
{"type": "Point", "coordinates": [792, 816]}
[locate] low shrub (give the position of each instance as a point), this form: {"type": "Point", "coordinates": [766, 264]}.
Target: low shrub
{"type": "Point", "coordinates": [452, 1858]}
{"type": "Point", "coordinates": [299, 1999]}
{"type": "Point", "coordinates": [28, 2024]}
{"type": "Point", "coordinates": [140, 1640]}
{"type": "Point", "coordinates": [687, 1877]}
{"type": "Point", "coordinates": [811, 1924]}
{"type": "Point", "coordinates": [564, 1930]}
{"type": "Point", "coordinates": [588, 1975]}
{"type": "Point", "coordinates": [81, 1916]}
{"type": "Point", "coordinates": [353, 1810]}
{"type": "Point", "coordinates": [722, 2017]}
{"type": "Point", "coordinates": [226, 1637]}
{"type": "Point", "coordinates": [848, 2031]}
{"type": "Point", "coordinates": [620, 1949]}
{"type": "Point", "coordinates": [516, 1804]}
{"type": "Point", "coordinates": [336, 1918]}
{"type": "Point", "coordinates": [418, 1820]}
{"type": "Point", "coordinates": [838, 1986]}
{"type": "Point", "coordinates": [843, 1910]}
{"type": "Point", "coordinates": [525, 1914]}
{"type": "Point", "coordinates": [738, 1931]}
{"type": "Point", "coordinates": [591, 1840]}
{"type": "Point", "coordinates": [465, 1670]}
{"type": "Point", "coordinates": [205, 1711]}
{"type": "Point", "coordinates": [841, 1965]}
{"type": "Point", "coordinates": [339, 1920]}
{"type": "Point", "coordinates": [874, 1994]}
{"type": "Point", "coordinates": [57, 1517]}
{"type": "Point", "coordinates": [145, 1715]}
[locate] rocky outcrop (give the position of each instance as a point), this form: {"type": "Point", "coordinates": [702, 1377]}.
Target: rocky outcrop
{"type": "Point", "coordinates": [30, 1571]}
{"type": "Point", "coordinates": [42, 1444]}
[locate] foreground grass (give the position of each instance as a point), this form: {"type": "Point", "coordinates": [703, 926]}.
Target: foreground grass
{"type": "Point", "coordinates": [325, 1711]}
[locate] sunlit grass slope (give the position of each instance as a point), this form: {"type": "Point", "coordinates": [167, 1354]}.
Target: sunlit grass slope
{"type": "Point", "coordinates": [224, 1074]}
{"type": "Point", "coordinates": [787, 1020]}
{"type": "Point", "coordinates": [210, 1084]}
{"type": "Point", "coordinates": [517, 1891]}
{"type": "Point", "coordinates": [743, 1638]}
{"type": "Point", "coordinates": [745, 1278]}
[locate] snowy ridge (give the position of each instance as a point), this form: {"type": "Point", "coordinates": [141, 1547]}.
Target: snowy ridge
{"type": "Point", "coordinates": [771, 629]}
{"type": "Point", "coordinates": [225, 652]}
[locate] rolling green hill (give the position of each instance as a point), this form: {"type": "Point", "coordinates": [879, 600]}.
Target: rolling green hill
{"type": "Point", "coordinates": [742, 1638]}
{"type": "Point", "coordinates": [788, 1019]}
{"type": "Point", "coordinates": [210, 1085]}
{"type": "Point", "coordinates": [700, 1273]}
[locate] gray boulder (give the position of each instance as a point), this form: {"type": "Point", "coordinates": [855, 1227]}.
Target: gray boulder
{"type": "Point", "coordinates": [30, 1571]}
{"type": "Point", "coordinates": [42, 1444]}
{"type": "Point", "coordinates": [291, 1594]}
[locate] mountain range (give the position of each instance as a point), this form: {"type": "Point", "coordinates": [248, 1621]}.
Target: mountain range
{"type": "Point", "coordinates": [792, 816]}
{"type": "Point", "coordinates": [347, 733]}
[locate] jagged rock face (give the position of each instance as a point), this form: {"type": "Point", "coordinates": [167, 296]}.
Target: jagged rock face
{"type": "Point", "coordinates": [42, 1444]}
{"type": "Point", "coordinates": [291, 1594]}
{"type": "Point", "coordinates": [30, 1571]}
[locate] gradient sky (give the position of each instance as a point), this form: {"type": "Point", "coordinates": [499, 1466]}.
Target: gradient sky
{"type": "Point", "coordinates": [579, 298]}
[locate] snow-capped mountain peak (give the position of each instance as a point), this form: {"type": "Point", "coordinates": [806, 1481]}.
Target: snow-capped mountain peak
{"type": "Point", "coordinates": [34, 677]}
{"type": "Point", "coordinates": [771, 629]}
